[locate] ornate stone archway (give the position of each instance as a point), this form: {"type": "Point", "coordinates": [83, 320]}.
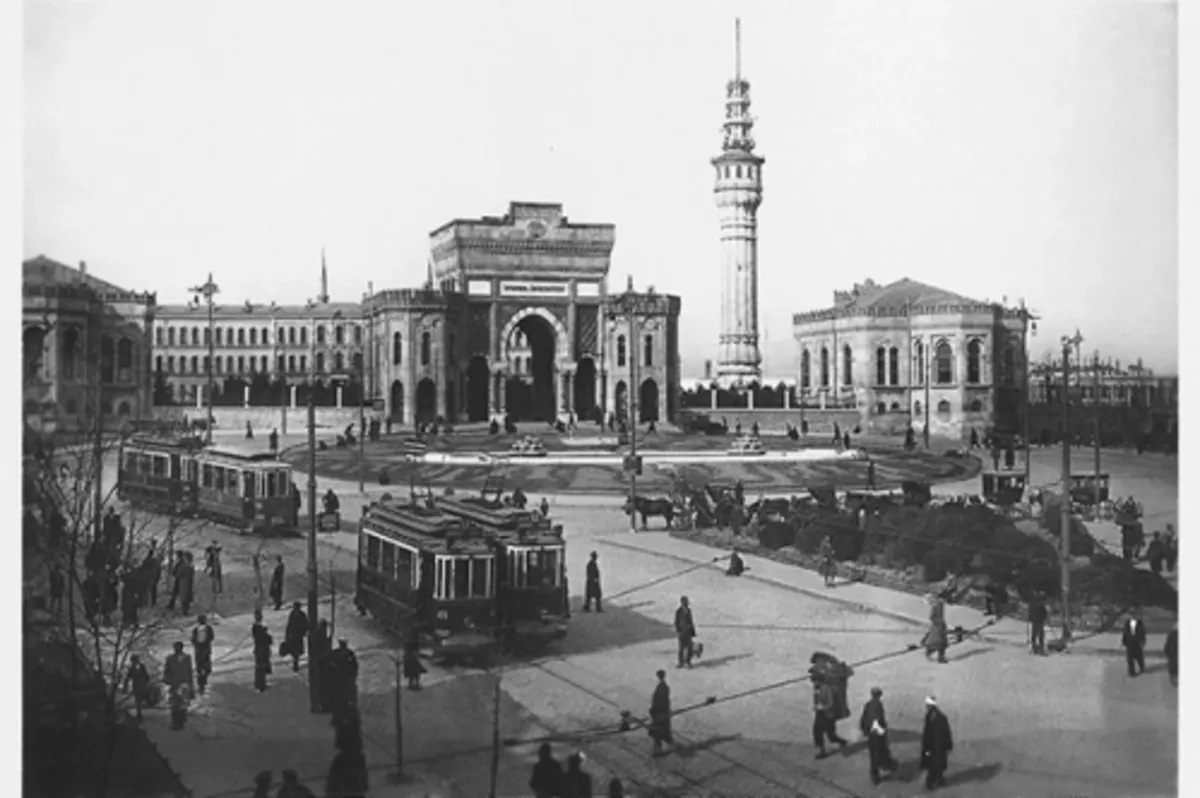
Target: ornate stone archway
{"type": "Point", "coordinates": [562, 354]}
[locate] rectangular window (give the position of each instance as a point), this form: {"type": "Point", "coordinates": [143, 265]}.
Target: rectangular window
{"type": "Point", "coordinates": [404, 569]}
{"type": "Point", "coordinates": [303, 363]}
{"type": "Point", "coordinates": [218, 477]}
{"type": "Point", "coordinates": [131, 462]}
{"type": "Point", "coordinates": [272, 484]}
{"type": "Point", "coordinates": [206, 476]}
{"type": "Point", "coordinates": [479, 576]}
{"type": "Point", "coordinates": [373, 552]}
{"type": "Point", "coordinates": [241, 364]}
{"type": "Point", "coordinates": [388, 566]}
{"type": "Point", "coordinates": [160, 466]}
{"type": "Point", "coordinates": [462, 578]}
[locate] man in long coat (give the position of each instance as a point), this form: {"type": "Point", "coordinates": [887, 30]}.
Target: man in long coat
{"type": "Point", "coordinates": [276, 589]}
{"type": "Point", "coordinates": [202, 642]}
{"type": "Point", "coordinates": [685, 630]}
{"type": "Point", "coordinates": [660, 714]}
{"type": "Point", "coordinates": [1134, 641]}
{"type": "Point", "coordinates": [1038, 615]}
{"type": "Point", "coordinates": [187, 584]}
{"type": "Point", "coordinates": [824, 718]}
{"type": "Point", "coordinates": [936, 638]}
{"type": "Point", "coordinates": [177, 675]}
{"type": "Point", "coordinates": [294, 634]}
{"type": "Point", "coordinates": [1171, 649]}
{"type": "Point", "coordinates": [936, 745]}
{"type": "Point", "coordinates": [592, 589]}
{"type": "Point", "coordinates": [262, 652]}
{"type": "Point", "coordinates": [873, 725]}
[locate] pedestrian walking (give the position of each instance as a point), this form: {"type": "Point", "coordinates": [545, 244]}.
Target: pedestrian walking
{"type": "Point", "coordinates": [347, 777]}
{"type": "Point", "coordinates": [178, 676]}
{"type": "Point", "coordinates": [1038, 615]}
{"type": "Point", "coordinates": [249, 431]}
{"type": "Point", "coordinates": [262, 785]}
{"type": "Point", "coordinates": [1171, 548]}
{"type": "Point", "coordinates": [273, 441]}
{"type": "Point", "coordinates": [1134, 641]}
{"type": "Point", "coordinates": [262, 652]}
{"type": "Point", "coordinates": [294, 634]}
{"type": "Point", "coordinates": [936, 745]}
{"type": "Point", "coordinates": [276, 589]}
{"type": "Point", "coordinates": [592, 589]}
{"type": "Point", "coordinates": [412, 661]}
{"type": "Point", "coordinates": [58, 585]}
{"type": "Point", "coordinates": [577, 783]}
{"type": "Point", "coordinates": [1156, 553]}
{"type": "Point", "coordinates": [660, 714]}
{"type": "Point", "coordinates": [322, 649]}
{"type": "Point", "coordinates": [344, 677]}
{"type": "Point", "coordinates": [151, 573]}
{"type": "Point", "coordinates": [187, 584]}
{"type": "Point", "coordinates": [212, 567]}
{"type": "Point", "coordinates": [176, 580]}
{"type": "Point", "coordinates": [202, 641]}
{"type": "Point", "coordinates": [828, 561]}
{"type": "Point", "coordinates": [547, 777]}
{"type": "Point", "coordinates": [1171, 649]}
{"type": "Point", "coordinates": [873, 725]}
{"type": "Point", "coordinates": [936, 638]}
{"type": "Point", "coordinates": [824, 717]}
{"type": "Point", "coordinates": [545, 508]}
{"type": "Point", "coordinates": [870, 474]}
{"type": "Point", "coordinates": [291, 787]}
{"type": "Point", "coordinates": [139, 678]}
{"type": "Point", "coordinates": [685, 631]}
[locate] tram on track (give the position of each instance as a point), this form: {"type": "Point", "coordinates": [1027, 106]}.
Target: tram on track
{"type": "Point", "coordinates": [178, 474]}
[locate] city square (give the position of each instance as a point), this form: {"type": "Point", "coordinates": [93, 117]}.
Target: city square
{"type": "Point", "coordinates": [469, 447]}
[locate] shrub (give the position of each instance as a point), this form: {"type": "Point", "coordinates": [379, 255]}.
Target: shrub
{"type": "Point", "coordinates": [1082, 542]}
{"type": "Point", "coordinates": [809, 535]}
{"type": "Point", "coordinates": [1038, 578]}
{"type": "Point", "coordinates": [774, 535]}
{"type": "Point", "coordinates": [933, 567]}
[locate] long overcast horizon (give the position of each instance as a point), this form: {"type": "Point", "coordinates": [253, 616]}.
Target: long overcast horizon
{"type": "Point", "coordinates": [994, 149]}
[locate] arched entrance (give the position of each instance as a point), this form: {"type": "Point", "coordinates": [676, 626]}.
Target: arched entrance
{"type": "Point", "coordinates": [538, 336]}
{"type": "Point", "coordinates": [621, 400]}
{"type": "Point", "coordinates": [426, 401]}
{"type": "Point", "coordinates": [451, 401]}
{"type": "Point", "coordinates": [585, 388]}
{"type": "Point", "coordinates": [477, 389]}
{"type": "Point", "coordinates": [397, 401]}
{"type": "Point", "coordinates": [648, 401]}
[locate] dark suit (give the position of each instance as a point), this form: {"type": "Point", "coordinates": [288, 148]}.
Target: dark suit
{"type": "Point", "coordinates": [1134, 640]}
{"type": "Point", "coordinates": [1037, 620]}
{"type": "Point", "coordinates": [592, 589]}
{"type": "Point", "coordinates": [685, 630]}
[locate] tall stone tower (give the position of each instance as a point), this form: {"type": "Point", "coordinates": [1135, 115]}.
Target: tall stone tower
{"type": "Point", "coordinates": [738, 193]}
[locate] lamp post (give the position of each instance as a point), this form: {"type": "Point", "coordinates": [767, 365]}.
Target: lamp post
{"type": "Point", "coordinates": [1028, 327]}
{"type": "Point", "coordinates": [630, 305]}
{"type": "Point", "coordinates": [208, 290]}
{"type": "Point", "coordinates": [1065, 557]}
{"type": "Point", "coordinates": [314, 697]}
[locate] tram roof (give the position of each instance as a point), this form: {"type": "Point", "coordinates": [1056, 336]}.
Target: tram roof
{"type": "Point", "coordinates": [165, 441]}
{"type": "Point", "coordinates": [426, 529]}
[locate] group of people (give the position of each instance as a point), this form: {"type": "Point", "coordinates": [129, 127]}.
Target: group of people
{"type": "Point", "coordinates": [1133, 640]}
{"type": "Point", "coordinates": [550, 780]}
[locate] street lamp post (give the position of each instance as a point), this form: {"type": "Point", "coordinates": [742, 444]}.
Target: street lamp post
{"type": "Point", "coordinates": [314, 698]}
{"type": "Point", "coordinates": [1065, 557]}
{"type": "Point", "coordinates": [631, 305]}
{"type": "Point", "coordinates": [208, 290]}
{"type": "Point", "coordinates": [1028, 327]}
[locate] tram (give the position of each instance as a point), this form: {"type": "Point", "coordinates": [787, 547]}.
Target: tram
{"type": "Point", "coordinates": [422, 569]}
{"type": "Point", "coordinates": [178, 474]}
{"type": "Point", "coordinates": [531, 583]}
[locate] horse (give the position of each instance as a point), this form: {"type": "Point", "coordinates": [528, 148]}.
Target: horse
{"type": "Point", "coordinates": [650, 507]}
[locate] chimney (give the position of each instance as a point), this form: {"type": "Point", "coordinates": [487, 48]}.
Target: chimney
{"type": "Point", "coordinates": [83, 267]}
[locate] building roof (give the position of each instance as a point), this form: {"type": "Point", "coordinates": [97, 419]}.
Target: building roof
{"type": "Point", "coordinates": [46, 271]}
{"type": "Point", "coordinates": [261, 312]}
{"type": "Point", "coordinates": [900, 294]}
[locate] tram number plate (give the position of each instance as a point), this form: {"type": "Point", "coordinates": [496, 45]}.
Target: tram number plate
{"type": "Point", "coordinates": [329, 522]}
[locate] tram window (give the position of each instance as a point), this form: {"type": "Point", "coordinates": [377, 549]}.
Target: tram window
{"type": "Point", "coordinates": [231, 480]}
{"type": "Point", "coordinates": [206, 476]}
{"type": "Point", "coordinates": [272, 485]}
{"type": "Point", "coordinates": [516, 568]}
{"type": "Point", "coordinates": [218, 477]}
{"type": "Point", "coordinates": [131, 462]}
{"type": "Point", "coordinates": [248, 484]}
{"type": "Point", "coordinates": [388, 566]}
{"type": "Point", "coordinates": [143, 464]}
{"type": "Point", "coordinates": [462, 578]}
{"type": "Point", "coordinates": [479, 577]}
{"type": "Point", "coordinates": [404, 568]}
{"type": "Point", "coordinates": [373, 552]}
{"type": "Point", "coordinates": [160, 466]}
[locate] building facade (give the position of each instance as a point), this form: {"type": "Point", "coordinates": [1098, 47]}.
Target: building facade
{"type": "Point", "coordinates": [1132, 385]}
{"type": "Point", "coordinates": [907, 351]}
{"type": "Point", "coordinates": [738, 193]}
{"type": "Point", "coordinates": [514, 321]}
{"type": "Point", "coordinates": [85, 342]}
{"type": "Point", "coordinates": [519, 324]}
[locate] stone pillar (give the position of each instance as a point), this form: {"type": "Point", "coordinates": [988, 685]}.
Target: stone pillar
{"type": "Point", "coordinates": [293, 396]}
{"type": "Point", "coordinates": [568, 399]}
{"type": "Point", "coordinates": [245, 396]}
{"type": "Point", "coordinates": [823, 394]}
{"type": "Point", "coordinates": [339, 397]}
{"type": "Point", "coordinates": [558, 377]}
{"type": "Point", "coordinates": [200, 397]}
{"type": "Point", "coordinates": [750, 398]}
{"type": "Point", "coordinates": [787, 398]}
{"type": "Point", "coordinates": [712, 396]}
{"type": "Point", "coordinates": [501, 399]}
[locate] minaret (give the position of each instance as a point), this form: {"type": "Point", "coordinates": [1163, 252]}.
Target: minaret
{"type": "Point", "coordinates": [323, 297]}
{"type": "Point", "coordinates": [738, 193]}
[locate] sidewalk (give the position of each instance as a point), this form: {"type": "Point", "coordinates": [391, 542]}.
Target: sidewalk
{"type": "Point", "coordinates": [862, 597]}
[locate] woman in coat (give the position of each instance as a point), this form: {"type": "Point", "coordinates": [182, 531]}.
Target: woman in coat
{"type": "Point", "coordinates": [936, 745]}
{"type": "Point", "coordinates": [294, 634]}
{"type": "Point", "coordinates": [660, 715]}
{"type": "Point", "coordinates": [935, 639]}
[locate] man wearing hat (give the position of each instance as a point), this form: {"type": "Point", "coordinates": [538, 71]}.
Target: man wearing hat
{"type": "Point", "coordinates": [592, 590]}
{"type": "Point", "coordinates": [576, 782]}
{"type": "Point", "coordinates": [202, 641]}
{"type": "Point", "coordinates": [177, 674]}
{"type": "Point", "coordinates": [294, 634]}
{"type": "Point", "coordinates": [685, 630]}
{"type": "Point", "coordinates": [262, 785]}
{"type": "Point", "coordinates": [873, 725]}
{"type": "Point", "coordinates": [936, 745]}
{"type": "Point", "coordinates": [824, 716]}
{"type": "Point", "coordinates": [343, 678]}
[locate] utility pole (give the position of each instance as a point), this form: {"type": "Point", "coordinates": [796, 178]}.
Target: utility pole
{"type": "Point", "coordinates": [928, 356]}
{"type": "Point", "coordinates": [314, 697]}
{"type": "Point", "coordinates": [208, 290]}
{"type": "Point", "coordinates": [631, 305]}
{"type": "Point", "coordinates": [1029, 327]}
{"type": "Point", "coordinates": [362, 424]}
{"type": "Point", "coordinates": [399, 726]}
{"type": "Point", "coordinates": [1065, 557]}
{"type": "Point", "coordinates": [284, 387]}
{"type": "Point", "coordinates": [1096, 399]}
{"type": "Point", "coordinates": [495, 768]}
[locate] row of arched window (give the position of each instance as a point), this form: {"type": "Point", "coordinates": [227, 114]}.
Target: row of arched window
{"type": "Point", "coordinates": [887, 365]}
{"type": "Point", "coordinates": [737, 171]}
{"type": "Point", "coordinates": [426, 349]}
{"type": "Point", "coordinates": [117, 356]}
{"type": "Point", "coordinates": [290, 335]}
{"type": "Point", "coordinates": [647, 351]}
{"type": "Point", "coordinates": [291, 364]}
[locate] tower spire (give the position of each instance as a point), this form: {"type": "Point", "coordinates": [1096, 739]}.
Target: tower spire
{"type": "Point", "coordinates": [323, 297]}
{"type": "Point", "coordinates": [737, 47]}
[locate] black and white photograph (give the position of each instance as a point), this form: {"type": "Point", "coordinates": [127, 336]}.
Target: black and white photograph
{"type": "Point", "coordinates": [656, 399]}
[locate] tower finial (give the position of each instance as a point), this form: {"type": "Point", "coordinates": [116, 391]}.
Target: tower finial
{"type": "Point", "coordinates": [323, 298]}
{"type": "Point", "coordinates": [737, 46]}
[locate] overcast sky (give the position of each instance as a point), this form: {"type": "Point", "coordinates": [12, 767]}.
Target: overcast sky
{"type": "Point", "coordinates": [1004, 148]}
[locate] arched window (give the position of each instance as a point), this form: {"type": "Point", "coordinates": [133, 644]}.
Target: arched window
{"type": "Point", "coordinates": [170, 336]}
{"type": "Point", "coordinates": [195, 365]}
{"type": "Point", "coordinates": [893, 366]}
{"type": "Point", "coordinates": [241, 368]}
{"type": "Point", "coordinates": [320, 334]}
{"type": "Point", "coordinates": [207, 335]}
{"type": "Point", "coordinates": [339, 335]}
{"type": "Point", "coordinates": [976, 406]}
{"type": "Point", "coordinates": [805, 369]}
{"type": "Point", "coordinates": [397, 349]}
{"type": "Point", "coordinates": [303, 336]}
{"type": "Point", "coordinates": [158, 364]}
{"type": "Point", "coordinates": [425, 347]}
{"type": "Point", "coordinates": [943, 409]}
{"type": "Point", "coordinates": [620, 350]}
{"type": "Point", "coordinates": [357, 335]}
{"type": "Point", "coordinates": [847, 364]}
{"type": "Point", "coordinates": [123, 409]}
{"type": "Point", "coordinates": [291, 364]}
{"type": "Point", "coordinates": [291, 331]}
{"type": "Point", "coordinates": [944, 360]}
{"type": "Point", "coordinates": [919, 356]}
{"type": "Point", "coordinates": [319, 361]}
{"type": "Point", "coordinates": [974, 356]}
{"type": "Point", "coordinates": [339, 362]}
{"type": "Point", "coordinates": [880, 409]}
{"type": "Point", "coordinates": [108, 357]}
{"type": "Point", "coordinates": [195, 336]}
{"type": "Point", "coordinates": [895, 407]}
{"type": "Point", "coordinates": [125, 360]}
{"type": "Point", "coordinates": [253, 337]}
{"type": "Point", "coordinates": [218, 341]}
{"type": "Point", "coordinates": [229, 364]}
{"type": "Point", "coordinates": [158, 337]}
{"type": "Point", "coordinates": [824, 367]}
{"type": "Point", "coordinates": [648, 350]}
{"type": "Point", "coordinates": [241, 336]}
{"type": "Point", "coordinates": [70, 352]}
{"type": "Point", "coordinates": [881, 366]}
{"type": "Point", "coordinates": [266, 335]}
{"type": "Point", "coordinates": [1008, 366]}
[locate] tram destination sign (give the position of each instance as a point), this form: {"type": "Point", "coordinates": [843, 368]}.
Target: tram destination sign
{"type": "Point", "coordinates": [530, 288]}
